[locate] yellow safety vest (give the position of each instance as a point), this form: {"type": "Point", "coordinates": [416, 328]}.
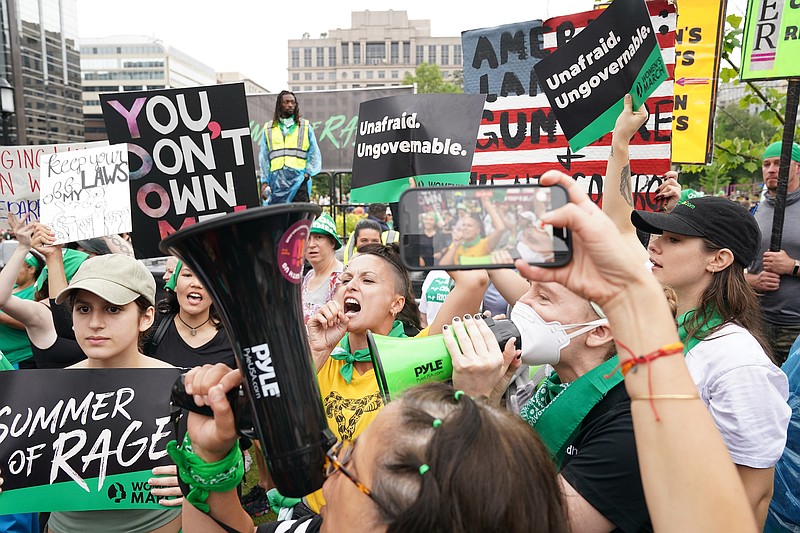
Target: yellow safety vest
{"type": "Point", "coordinates": [290, 151]}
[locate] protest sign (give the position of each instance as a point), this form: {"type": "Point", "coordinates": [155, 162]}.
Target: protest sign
{"type": "Point", "coordinates": [429, 137]}
{"type": "Point", "coordinates": [190, 156]}
{"type": "Point", "coordinates": [333, 115]}
{"type": "Point", "coordinates": [698, 49]}
{"type": "Point", "coordinates": [86, 194]}
{"type": "Point", "coordinates": [19, 177]}
{"type": "Point", "coordinates": [586, 79]}
{"type": "Point", "coordinates": [520, 137]}
{"type": "Point", "coordinates": [771, 40]}
{"type": "Point", "coordinates": [83, 439]}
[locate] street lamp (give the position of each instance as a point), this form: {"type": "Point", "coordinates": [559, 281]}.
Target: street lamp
{"type": "Point", "coordinates": [6, 106]}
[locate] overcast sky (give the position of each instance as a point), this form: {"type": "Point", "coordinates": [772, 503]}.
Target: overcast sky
{"type": "Point", "coordinates": [250, 36]}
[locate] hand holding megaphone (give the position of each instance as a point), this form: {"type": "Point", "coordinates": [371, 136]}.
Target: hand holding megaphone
{"type": "Point", "coordinates": [480, 366]}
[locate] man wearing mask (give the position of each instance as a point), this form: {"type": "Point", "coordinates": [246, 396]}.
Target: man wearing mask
{"type": "Point", "coordinates": [776, 275]}
{"type": "Point", "coordinates": [580, 410]}
{"type": "Point", "coordinates": [289, 154]}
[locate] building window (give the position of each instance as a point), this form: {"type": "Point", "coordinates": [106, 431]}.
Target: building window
{"type": "Point", "coordinates": [370, 74]}
{"type": "Point", "coordinates": [295, 76]}
{"type": "Point", "coordinates": [332, 76]}
{"type": "Point", "coordinates": [420, 54]}
{"type": "Point", "coordinates": [332, 87]}
{"type": "Point", "coordinates": [406, 53]}
{"type": "Point", "coordinates": [320, 56]}
{"type": "Point", "coordinates": [344, 75]}
{"type": "Point", "coordinates": [395, 53]}
{"type": "Point", "coordinates": [331, 56]}
{"type": "Point", "coordinates": [308, 88]}
{"type": "Point", "coordinates": [320, 76]}
{"type": "Point", "coordinates": [307, 76]}
{"type": "Point", "coordinates": [395, 74]}
{"type": "Point", "coordinates": [381, 74]}
{"type": "Point", "coordinates": [356, 75]}
{"type": "Point", "coordinates": [295, 88]}
{"type": "Point", "coordinates": [296, 57]}
{"type": "Point", "coordinates": [445, 54]}
{"type": "Point", "coordinates": [356, 53]}
{"type": "Point", "coordinates": [320, 87]}
{"type": "Point", "coordinates": [457, 59]}
{"type": "Point", "coordinates": [306, 57]}
{"type": "Point", "coordinates": [345, 54]}
{"type": "Point", "coordinates": [431, 54]}
{"type": "Point", "coordinates": [376, 53]}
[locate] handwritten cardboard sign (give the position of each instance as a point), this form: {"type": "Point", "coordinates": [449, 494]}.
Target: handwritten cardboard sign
{"type": "Point", "coordinates": [19, 177]}
{"type": "Point", "coordinates": [82, 439]}
{"type": "Point", "coordinates": [86, 194]}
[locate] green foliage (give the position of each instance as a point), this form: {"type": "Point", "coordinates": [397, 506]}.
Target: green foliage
{"type": "Point", "coordinates": [742, 131]}
{"type": "Point", "coordinates": [352, 220]}
{"type": "Point", "coordinates": [429, 80]}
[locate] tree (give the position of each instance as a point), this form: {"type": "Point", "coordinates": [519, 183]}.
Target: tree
{"type": "Point", "coordinates": [429, 80]}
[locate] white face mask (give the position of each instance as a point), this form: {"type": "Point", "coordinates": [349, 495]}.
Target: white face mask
{"type": "Point", "coordinates": [542, 341]}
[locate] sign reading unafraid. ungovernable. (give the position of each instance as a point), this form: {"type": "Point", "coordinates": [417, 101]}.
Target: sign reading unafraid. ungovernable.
{"type": "Point", "coordinates": [88, 440]}
{"type": "Point", "coordinates": [86, 194]}
{"type": "Point", "coordinates": [586, 79]}
{"type": "Point", "coordinates": [190, 154]}
{"type": "Point", "coordinates": [428, 137]}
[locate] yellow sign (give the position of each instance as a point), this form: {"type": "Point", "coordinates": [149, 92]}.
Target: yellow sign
{"type": "Point", "coordinates": [698, 47]}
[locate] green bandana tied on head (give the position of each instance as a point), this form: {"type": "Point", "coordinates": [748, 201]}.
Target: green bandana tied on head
{"type": "Point", "coordinates": [72, 260]}
{"type": "Point", "coordinates": [342, 352]}
{"type": "Point", "coordinates": [173, 279]}
{"type": "Point", "coordinates": [774, 150]}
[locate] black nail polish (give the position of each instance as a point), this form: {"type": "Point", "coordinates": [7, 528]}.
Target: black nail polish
{"type": "Point", "coordinates": [456, 319]}
{"type": "Point", "coordinates": [467, 317]}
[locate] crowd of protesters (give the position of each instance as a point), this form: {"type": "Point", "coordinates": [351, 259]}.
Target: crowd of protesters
{"type": "Point", "coordinates": [651, 396]}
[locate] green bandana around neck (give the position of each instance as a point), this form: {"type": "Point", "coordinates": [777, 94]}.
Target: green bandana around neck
{"type": "Point", "coordinates": [342, 352]}
{"type": "Point", "coordinates": [714, 320]}
{"type": "Point", "coordinates": [557, 413]}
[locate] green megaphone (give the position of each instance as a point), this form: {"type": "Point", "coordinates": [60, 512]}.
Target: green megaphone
{"type": "Point", "coordinates": [401, 363]}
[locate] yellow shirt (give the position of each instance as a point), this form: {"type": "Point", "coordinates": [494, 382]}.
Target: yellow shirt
{"type": "Point", "coordinates": [349, 407]}
{"type": "Point", "coordinates": [478, 250]}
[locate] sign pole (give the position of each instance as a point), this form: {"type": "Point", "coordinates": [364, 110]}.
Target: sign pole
{"type": "Point", "coordinates": [792, 97]}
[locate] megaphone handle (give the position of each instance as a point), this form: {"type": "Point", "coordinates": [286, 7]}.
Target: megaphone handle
{"type": "Point", "coordinates": [180, 398]}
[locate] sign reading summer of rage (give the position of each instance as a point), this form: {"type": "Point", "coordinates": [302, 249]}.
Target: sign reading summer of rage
{"type": "Point", "coordinates": [190, 155]}
{"type": "Point", "coordinates": [86, 194]}
{"type": "Point", "coordinates": [586, 79]}
{"type": "Point", "coordinates": [19, 177]}
{"type": "Point", "coordinates": [428, 137]}
{"type": "Point", "coordinates": [86, 441]}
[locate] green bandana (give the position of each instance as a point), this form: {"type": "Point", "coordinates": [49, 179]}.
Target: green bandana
{"type": "Point", "coordinates": [557, 412]}
{"type": "Point", "coordinates": [342, 352]}
{"type": "Point", "coordinates": [72, 260]}
{"type": "Point", "coordinates": [173, 279]}
{"type": "Point", "coordinates": [714, 321]}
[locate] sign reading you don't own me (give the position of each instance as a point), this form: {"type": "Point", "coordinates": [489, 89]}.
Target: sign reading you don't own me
{"type": "Point", "coordinates": [88, 440]}
{"type": "Point", "coordinates": [190, 156]}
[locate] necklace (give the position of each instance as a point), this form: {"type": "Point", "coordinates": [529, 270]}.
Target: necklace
{"type": "Point", "coordinates": [194, 329]}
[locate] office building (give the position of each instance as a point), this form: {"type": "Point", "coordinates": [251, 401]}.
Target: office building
{"type": "Point", "coordinates": [40, 59]}
{"type": "Point", "coordinates": [378, 50]}
{"type": "Point", "coordinates": [250, 87]}
{"type": "Point", "coordinates": [133, 63]}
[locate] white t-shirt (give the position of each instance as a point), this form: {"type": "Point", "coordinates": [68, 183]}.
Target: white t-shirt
{"type": "Point", "coordinates": [435, 289]}
{"type": "Point", "coordinates": [746, 395]}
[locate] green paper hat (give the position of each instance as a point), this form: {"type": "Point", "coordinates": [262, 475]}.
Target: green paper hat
{"type": "Point", "coordinates": [72, 260]}
{"type": "Point", "coordinates": [324, 225]}
{"type": "Point", "coordinates": [173, 279]}
{"type": "Point", "coordinates": [774, 150]}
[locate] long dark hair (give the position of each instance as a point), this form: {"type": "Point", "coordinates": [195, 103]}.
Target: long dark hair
{"type": "Point", "coordinates": [732, 298]}
{"type": "Point", "coordinates": [390, 253]}
{"type": "Point", "coordinates": [487, 469]}
{"type": "Point", "coordinates": [276, 116]}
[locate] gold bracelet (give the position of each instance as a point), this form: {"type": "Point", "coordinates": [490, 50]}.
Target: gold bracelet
{"type": "Point", "coordinates": [665, 397]}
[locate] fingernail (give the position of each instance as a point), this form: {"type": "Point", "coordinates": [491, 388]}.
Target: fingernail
{"type": "Point", "coordinates": [467, 317]}
{"type": "Point", "coordinates": [151, 481]}
{"type": "Point", "coordinates": [456, 319]}
{"type": "Point", "coordinates": [477, 316]}
{"type": "Point", "coordinates": [445, 327]}
{"type": "Point", "coordinates": [519, 356]}
{"type": "Point", "coordinates": [215, 393]}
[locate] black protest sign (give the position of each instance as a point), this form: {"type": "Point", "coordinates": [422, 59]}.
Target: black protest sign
{"type": "Point", "coordinates": [429, 137]}
{"type": "Point", "coordinates": [190, 156]}
{"type": "Point", "coordinates": [586, 79]}
{"type": "Point", "coordinates": [83, 439]}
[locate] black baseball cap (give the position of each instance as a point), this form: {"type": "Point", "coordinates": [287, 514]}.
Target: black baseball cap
{"type": "Point", "coordinates": [721, 221]}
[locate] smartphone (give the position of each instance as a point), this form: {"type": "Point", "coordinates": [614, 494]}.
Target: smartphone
{"type": "Point", "coordinates": [458, 228]}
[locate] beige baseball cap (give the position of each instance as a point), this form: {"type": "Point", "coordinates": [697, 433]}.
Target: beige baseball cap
{"type": "Point", "coordinates": [116, 278]}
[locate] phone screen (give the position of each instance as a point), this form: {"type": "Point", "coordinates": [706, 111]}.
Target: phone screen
{"type": "Point", "coordinates": [466, 227]}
